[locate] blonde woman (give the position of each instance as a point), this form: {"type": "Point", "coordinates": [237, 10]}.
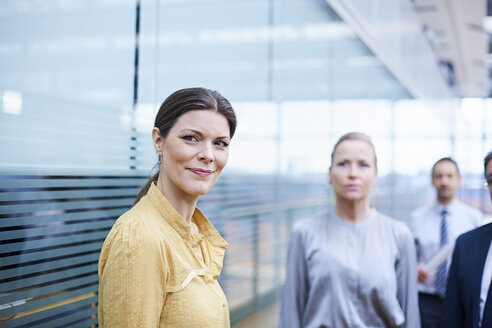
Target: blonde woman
{"type": "Point", "coordinates": [354, 266]}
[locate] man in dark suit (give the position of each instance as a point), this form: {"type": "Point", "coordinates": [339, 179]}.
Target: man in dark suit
{"type": "Point", "coordinates": [468, 301]}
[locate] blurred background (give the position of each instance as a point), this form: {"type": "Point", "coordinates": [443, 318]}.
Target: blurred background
{"type": "Point", "coordinates": [81, 81]}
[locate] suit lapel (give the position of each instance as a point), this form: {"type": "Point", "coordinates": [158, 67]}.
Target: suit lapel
{"type": "Point", "coordinates": [478, 254]}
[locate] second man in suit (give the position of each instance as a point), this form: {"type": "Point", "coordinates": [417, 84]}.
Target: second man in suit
{"type": "Point", "coordinates": [434, 227]}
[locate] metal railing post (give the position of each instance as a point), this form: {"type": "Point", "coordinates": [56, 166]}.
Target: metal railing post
{"type": "Point", "coordinates": [256, 255]}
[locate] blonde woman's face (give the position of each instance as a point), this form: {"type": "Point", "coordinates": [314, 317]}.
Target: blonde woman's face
{"type": "Point", "coordinates": [353, 171]}
{"type": "Point", "coordinates": [194, 152]}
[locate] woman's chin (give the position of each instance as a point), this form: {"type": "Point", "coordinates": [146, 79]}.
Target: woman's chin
{"type": "Point", "coordinates": [353, 197]}
{"type": "Point", "coordinates": [197, 190]}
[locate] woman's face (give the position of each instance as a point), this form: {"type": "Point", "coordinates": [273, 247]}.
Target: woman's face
{"type": "Point", "coordinates": [193, 153]}
{"type": "Point", "coordinates": [353, 171]}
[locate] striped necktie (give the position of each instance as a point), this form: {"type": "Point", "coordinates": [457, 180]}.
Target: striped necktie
{"type": "Point", "coordinates": [487, 310]}
{"type": "Point", "coordinates": [441, 272]}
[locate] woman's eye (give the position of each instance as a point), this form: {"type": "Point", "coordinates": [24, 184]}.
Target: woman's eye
{"type": "Point", "coordinates": [190, 138]}
{"type": "Point", "coordinates": [364, 164]}
{"type": "Point", "coordinates": [342, 163]}
{"type": "Point", "coordinates": [221, 143]}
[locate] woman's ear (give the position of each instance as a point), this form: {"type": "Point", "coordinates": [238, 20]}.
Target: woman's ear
{"type": "Point", "coordinates": [158, 141]}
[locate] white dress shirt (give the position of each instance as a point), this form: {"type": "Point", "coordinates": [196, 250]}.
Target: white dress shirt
{"type": "Point", "coordinates": [425, 224]}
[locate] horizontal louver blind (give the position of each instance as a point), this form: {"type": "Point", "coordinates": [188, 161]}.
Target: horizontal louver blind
{"type": "Point", "coordinates": [46, 138]}
{"type": "Point", "coordinates": [51, 232]}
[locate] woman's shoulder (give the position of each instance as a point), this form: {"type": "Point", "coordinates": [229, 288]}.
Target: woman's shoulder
{"type": "Point", "coordinates": [309, 225]}
{"type": "Point", "coordinates": [131, 236]}
{"type": "Point", "coordinates": [399, 228]}
{"type": "Point", "coordinates": [134, 227]}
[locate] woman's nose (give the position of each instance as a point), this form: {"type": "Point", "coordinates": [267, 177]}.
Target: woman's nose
{"type": "Point", "coordinates": [353, 170]}
{"type": "Point", "coordinates": [206, 154]}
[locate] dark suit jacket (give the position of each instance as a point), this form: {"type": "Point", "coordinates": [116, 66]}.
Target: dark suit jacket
{"type": "Point", "coordinates": [461, 307]}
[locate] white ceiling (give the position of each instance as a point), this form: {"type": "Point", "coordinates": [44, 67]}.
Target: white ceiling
{"type": "Point", "coordinates": [457, 36]}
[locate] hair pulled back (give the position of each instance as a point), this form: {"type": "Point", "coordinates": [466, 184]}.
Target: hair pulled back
{"type": "Point", "coordinates": [357, 136]}
{"type": "Point", "coordinates": [185, 100]}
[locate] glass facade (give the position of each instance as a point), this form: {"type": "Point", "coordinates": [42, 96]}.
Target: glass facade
{"type": "Point", "coordinates": [81, 81]}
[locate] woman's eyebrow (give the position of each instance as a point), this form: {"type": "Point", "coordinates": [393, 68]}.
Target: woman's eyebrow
{"type": "Point", "coordinates": [193, 131]}
{"type": "Point", "coordinates": [200, 134]}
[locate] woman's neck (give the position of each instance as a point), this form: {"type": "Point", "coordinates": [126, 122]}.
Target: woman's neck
{"type": "Point", "coordinates": [183, 203]}
{"type": "Point", "coordinates": [352, 211]}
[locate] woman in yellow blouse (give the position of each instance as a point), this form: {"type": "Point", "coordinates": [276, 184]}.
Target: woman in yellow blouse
{"type": "Point", "coordinates": [160, 262]}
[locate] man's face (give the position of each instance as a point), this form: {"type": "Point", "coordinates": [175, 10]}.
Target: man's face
{"type": "Point", "coordinates": [446, 180]}
{"type": "Point", "coordinates": [488, 177]}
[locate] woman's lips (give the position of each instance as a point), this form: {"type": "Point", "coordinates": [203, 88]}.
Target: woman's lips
{"type": "Point", "coordinates": [202, 173]}
{"type": "Point", "coordinates": [352, 187]}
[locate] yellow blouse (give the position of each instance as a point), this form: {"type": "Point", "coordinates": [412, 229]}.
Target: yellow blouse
{"type": "Point", "coordinates": [151, 273]}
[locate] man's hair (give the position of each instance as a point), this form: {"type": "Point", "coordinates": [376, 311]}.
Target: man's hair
{"type": "Point", "coordinates": [486, 161]}
{"type": "Point", "coordinates": [445, 159]}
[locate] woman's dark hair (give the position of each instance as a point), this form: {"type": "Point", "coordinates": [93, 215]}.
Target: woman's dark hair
{"type": "Point", "coordinates": [183, 101]}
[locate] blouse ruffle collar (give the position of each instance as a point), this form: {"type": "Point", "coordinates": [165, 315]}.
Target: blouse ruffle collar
{"type": "Point", "coordinates": [206, 229]}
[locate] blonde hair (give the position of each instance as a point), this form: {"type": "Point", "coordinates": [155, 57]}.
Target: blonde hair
{"type": "Point", "coordinates": [358, 136]}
